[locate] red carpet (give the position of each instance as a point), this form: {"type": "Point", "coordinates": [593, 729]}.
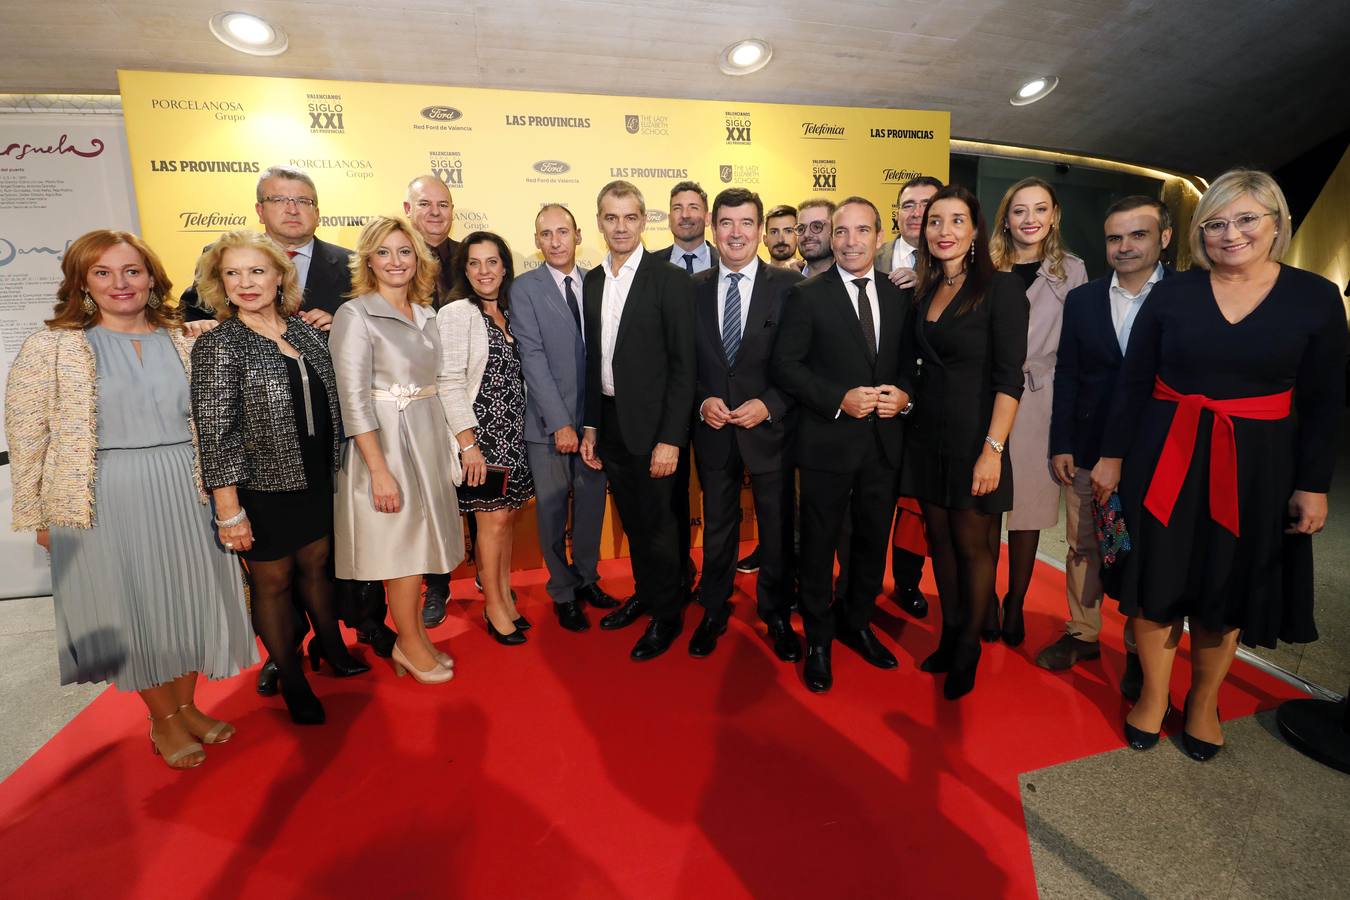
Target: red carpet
{"type": "Point", "coordinates": [562, 769]}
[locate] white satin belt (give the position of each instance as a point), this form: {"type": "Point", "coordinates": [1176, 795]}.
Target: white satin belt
{"type": "Point", "coordinates": [403, 394]}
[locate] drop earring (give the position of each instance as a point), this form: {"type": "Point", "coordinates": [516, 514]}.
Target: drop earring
{"type": "Point", "coordinates": [281, 295]}
{"type": "Point", "coordinates": [88, 305]}
{"type": "Point", "coordinates": [153, 300]}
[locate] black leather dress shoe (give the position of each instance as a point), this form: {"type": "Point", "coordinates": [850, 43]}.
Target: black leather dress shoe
{"type": "Point", "coordinates": [595, 596]}
{"type": "Point", "coordinates": [816, 672]}
{"type": "Point", "coordinates": [658, 637]}
{"type": "Point", "coordinates": [571, 616]}
{"type": "Point", "coordinates": [865, 644]}
{"type": "Point", "coordinates": [380, 637]}
{"type": "Point", "coordinates": [625, 615]}
{"type": "Point", "coordinates": [433, 610]}
{"type": "Point", "coordinates": [704, 640]}
{"type": "Point", "coordinates": [749, 563]}
{"type": "Point", "coordinates": [912, 601]}
{"type": "Point", "coordinates": [268, 676]}
{"type": "Point", "coordinates": [786, 645]}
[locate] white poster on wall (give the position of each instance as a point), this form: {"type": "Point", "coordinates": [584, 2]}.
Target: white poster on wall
{"type": "Point", "coordinates": [61, 174]}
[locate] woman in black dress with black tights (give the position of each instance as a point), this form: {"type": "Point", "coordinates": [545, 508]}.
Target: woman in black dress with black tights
{"type": "Point", "coordinates": [1226, 418]}
{"type": "Point", "coordinates": [265, 400]}
{"type": "Point", "coordinates": [969, 343]}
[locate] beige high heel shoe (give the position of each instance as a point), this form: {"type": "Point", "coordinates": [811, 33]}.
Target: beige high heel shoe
{"type": "Point", "coordinates": [437, 674]}
{"type": "Point", "coordinates": [218, 733]}
{"type": "Point", "coordinates": [189, 756]}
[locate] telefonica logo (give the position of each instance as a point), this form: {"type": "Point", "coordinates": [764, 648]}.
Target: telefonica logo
{"type": "Point", "coordinates": [822, 131]}
{"type": "Point", "coordinates": [551, 167]}
{"type": "Point", "coordinates": [441, 113]}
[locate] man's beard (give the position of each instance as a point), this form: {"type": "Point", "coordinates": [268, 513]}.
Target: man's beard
{"type": "Point", "coordinates": [781, 252]}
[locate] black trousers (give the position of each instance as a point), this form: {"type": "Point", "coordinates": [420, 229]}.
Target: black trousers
{"type": "Point", "coordinates": [773, 495]}
{"type": "Point", "coordinates": [679, 507]}
{"type": "Point", "coordinates": [906, 567]}
{"type": "Point", "coordinates": [644, 506]}
{"type": "Point", "coordinates": [866, 496]}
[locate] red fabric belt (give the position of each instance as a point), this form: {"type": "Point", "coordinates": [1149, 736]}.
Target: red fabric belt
{"type": "Point", "coordinates": [1175, 460]}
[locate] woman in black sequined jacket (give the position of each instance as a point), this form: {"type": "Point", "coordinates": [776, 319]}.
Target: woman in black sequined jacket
{"type": "Point", "coordinates": [270, 428]}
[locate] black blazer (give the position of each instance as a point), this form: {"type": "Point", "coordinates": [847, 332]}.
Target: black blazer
{"type": "Point", "coordinates": [1086, 366]}
{"type": "Point", "coordinates": [653, 355]}
{"type": "Point", "coordinates": [664, 255]}
{"type": "Point", "coordinates": [983, 354]}
{"type": "Point", "coordinates": [326, 287]}
{"type": "Point", "coordinates": [820, 356]}
{"type": "Point", "coordinates": [762, 447]}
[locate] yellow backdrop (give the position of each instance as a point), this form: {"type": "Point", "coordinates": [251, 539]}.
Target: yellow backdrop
{"type": "Point", "coordinates": [198, 142]}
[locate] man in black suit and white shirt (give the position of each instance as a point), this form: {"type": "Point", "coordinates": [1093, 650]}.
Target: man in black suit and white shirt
{"type": "Point", "coordinates": [743, 423]}
{"type": "Point", "coordinates": [1098, 317]}
{"type": "Point", "coordinates": [639, 325]}
{"type": "Point", "coordinates": [288, 209]}
{"type": "Point", "coordinates": [838, 353]}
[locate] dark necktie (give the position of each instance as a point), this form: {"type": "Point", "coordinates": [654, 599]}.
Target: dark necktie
{"type": "Point", "coordinates": [869, 329]}
{"type": "Point", "coordinates": [572, 302]}
{"type": "Point", "coordinates": [731, 318]}
{"type": "Point", "coordinates": [689, 262]}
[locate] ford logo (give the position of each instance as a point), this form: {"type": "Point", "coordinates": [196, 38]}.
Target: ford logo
{"type": "Point", "coordinates": [441, 113]}
{"type": "Point", "coordinates": [551, 167]}
{"type": "Point", "coordinates": [656, 216]}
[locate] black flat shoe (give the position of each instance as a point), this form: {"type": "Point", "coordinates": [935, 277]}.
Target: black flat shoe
{"type": "Point", "coordinates": [595, 596]}
{"type": "Point", "coordinates": [1014, 630]}
{"type": "Point", "coordinates": [704, 640]}
{"type": "Point", "coordinates": [817, 672]}
{"type": "Point", "coordinates": [344, 665]}
{"type": "Point", "coordinates": [961, 679]}
{"type": "Point", "coordinates": [625, 615]}
{"type": "Point", "coordinates": [571, 616]}
{"type": "Point", "coordinates": [268, 676]}
{"type": "Point", "coordinates": [511, 639]}
{"type": "Point", "coordinates": [786, 645]}
{"type": "Point", "coordinates": [304, 707]}
{"type": "Point", "coordinates": [658, 637]}
{"type": "Point", "coordinates": [1196, 749]}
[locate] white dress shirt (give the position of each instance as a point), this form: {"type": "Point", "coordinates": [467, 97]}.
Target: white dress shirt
{"type": "Point", "coordinates": [870, 296]}
{"type": "Point", "coordinates": [611, 312]}
{"type": "Point", "coordinates": [702, 257]}
{"type": "Point", "coordinates": [575, 275]}
{"type": "Point", "coordinates": [902, 255]}
{"type": "Point", "coordinates": [301, 260]}
{"type": "Point", "coordinates": [1125, 306]}
{"type": "Point", "coordinates": [745, 285]}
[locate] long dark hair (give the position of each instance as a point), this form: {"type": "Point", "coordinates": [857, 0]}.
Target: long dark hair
{"type": "Point", "coordinates": [462, 288]}
{"type": "Point", "coordinates": [979, 270]}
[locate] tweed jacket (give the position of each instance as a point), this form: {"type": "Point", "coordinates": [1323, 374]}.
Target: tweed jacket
{"type": "Point", "coordinates": [51, 422]}
{"type": "Point", "coordinates": [241, 396]}
{"type": "Point", "coordinates": [464, 355]}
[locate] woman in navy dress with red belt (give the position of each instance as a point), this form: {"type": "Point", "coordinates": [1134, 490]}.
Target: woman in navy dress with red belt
{"type": "Point", "coordinates": [1226, 417]}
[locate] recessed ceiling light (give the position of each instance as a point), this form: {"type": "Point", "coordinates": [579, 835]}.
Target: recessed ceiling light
{"type": "Point", "coordinates": [248, 34]}
{"type": "Point", "coordinates": [1034, 90]}
{"type": "Point", "coordinates": [744, 57]}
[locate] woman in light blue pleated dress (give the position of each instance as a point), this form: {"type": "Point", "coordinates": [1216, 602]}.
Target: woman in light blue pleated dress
{"type": "Point", "coordinates": [104, 467]}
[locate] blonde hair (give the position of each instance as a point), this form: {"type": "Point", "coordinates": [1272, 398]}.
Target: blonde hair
{"type": "Point", "coordinates": [1230, 187]}
{"type": "Point", "coordinates": [81, 255]}
{"type": "Point", "coordinates": [211, 288]}
{"type": "Point", "coordinates": [422, 291]}
{"type": "Point", "coordinates": [1001, 248]}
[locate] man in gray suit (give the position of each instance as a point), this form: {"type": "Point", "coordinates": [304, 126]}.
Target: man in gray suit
{"type": "Point", "coordinates": [546, 320]}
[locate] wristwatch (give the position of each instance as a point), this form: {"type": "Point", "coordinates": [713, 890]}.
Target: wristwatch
{"type": "Point", "coordinates": [997, 445]}
{"type": "Point", "coordinates": [909, 407]}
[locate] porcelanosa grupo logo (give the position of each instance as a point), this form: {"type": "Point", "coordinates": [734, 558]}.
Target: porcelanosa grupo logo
{"type": "Point", "coordinates": [221, 110]}
{"type": "Point", "coordinates": [348, 166]}
{"type": "Point", "coordinates": [326, 114]}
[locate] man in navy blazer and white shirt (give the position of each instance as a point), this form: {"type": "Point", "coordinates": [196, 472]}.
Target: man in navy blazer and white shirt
{"type": "Point", "coordinates": [688, 221]}
{"type": "Point", "coordinates": [547, 323]}
{"type": "Point", "coordinates": [1098, 317]}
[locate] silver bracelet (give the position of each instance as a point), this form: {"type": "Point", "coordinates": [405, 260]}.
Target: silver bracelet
{"type": "Point", "coordinates": [232, 520]}
{"type": "Point", "coordinates": [469, 446]}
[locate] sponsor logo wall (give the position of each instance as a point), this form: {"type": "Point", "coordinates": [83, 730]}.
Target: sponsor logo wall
{"type": "Point", "coordinates": [198, 142]}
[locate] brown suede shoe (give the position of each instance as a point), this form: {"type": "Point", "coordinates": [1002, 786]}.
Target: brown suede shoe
{"type": "Point", "coordinates": [1066, 651]}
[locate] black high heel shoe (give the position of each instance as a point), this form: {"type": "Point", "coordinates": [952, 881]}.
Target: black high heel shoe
{"type": "Point", "coordinates": [1014, 625]}
{"type": "Point", "coordinates": [1196, 749]}
{"type": "Point", "coordinates": [342, 667]}
{"type": "Point", "coordinates": [304, 707]}
{"type": "Point", "coordinates": [514, 638]}
{"type": "Point", "coordinates": [961, 679]}
{"type": "Point", "coordinates": [940, 660]}
{"type": "Point", "coordinates": [991, 631]}
{"type": "Point", "coordinates": [522, 623]}
{"type": "Point", "coordinates": [1138, 739]}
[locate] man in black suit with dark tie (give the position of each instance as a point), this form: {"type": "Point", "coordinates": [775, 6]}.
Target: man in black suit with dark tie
{"type": "Point", "coordinates": [688, 223]}
{"type": "Point", "coordinates": [431, 210]}
{"type": "Point", "coordinates": [743, 423]}
{"type": "Point", "coordinates": [838, 353]}
{"type": "Point", "coordinates": [288, 210]}
{"type": "Point", "coordinates": [639, 328]}
{"type": "Point", "coordinates": [1098, 317]}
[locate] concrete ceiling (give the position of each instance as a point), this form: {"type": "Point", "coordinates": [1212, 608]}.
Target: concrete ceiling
{"type": "Point", "coordinates": [1192, 85]}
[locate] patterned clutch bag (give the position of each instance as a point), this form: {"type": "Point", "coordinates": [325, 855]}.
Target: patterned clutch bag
{"type": "Point", "coordinates": [1112, 535]}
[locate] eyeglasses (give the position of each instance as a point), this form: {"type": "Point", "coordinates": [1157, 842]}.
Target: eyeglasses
{"type": "Point", "coordinates": [910, 205]}
{"type": "Point", "coordinates": [301, 202]}
{"type": "Point", "coordinates": [814, 227]}
{"type": "Point", "coordinates": [1246, 223]}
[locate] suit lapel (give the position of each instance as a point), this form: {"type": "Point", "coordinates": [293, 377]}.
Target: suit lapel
{"type": "Point", "coordinates": [1101, 312]}
{"type": "Point", "coordinates": [707, 298]}
{"type": "Point", "coordinates": [640, 278]}
{"type": "Point", "coordinates": [761, 303]}
{"type": "Point", "coordinates": [890, 307]}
